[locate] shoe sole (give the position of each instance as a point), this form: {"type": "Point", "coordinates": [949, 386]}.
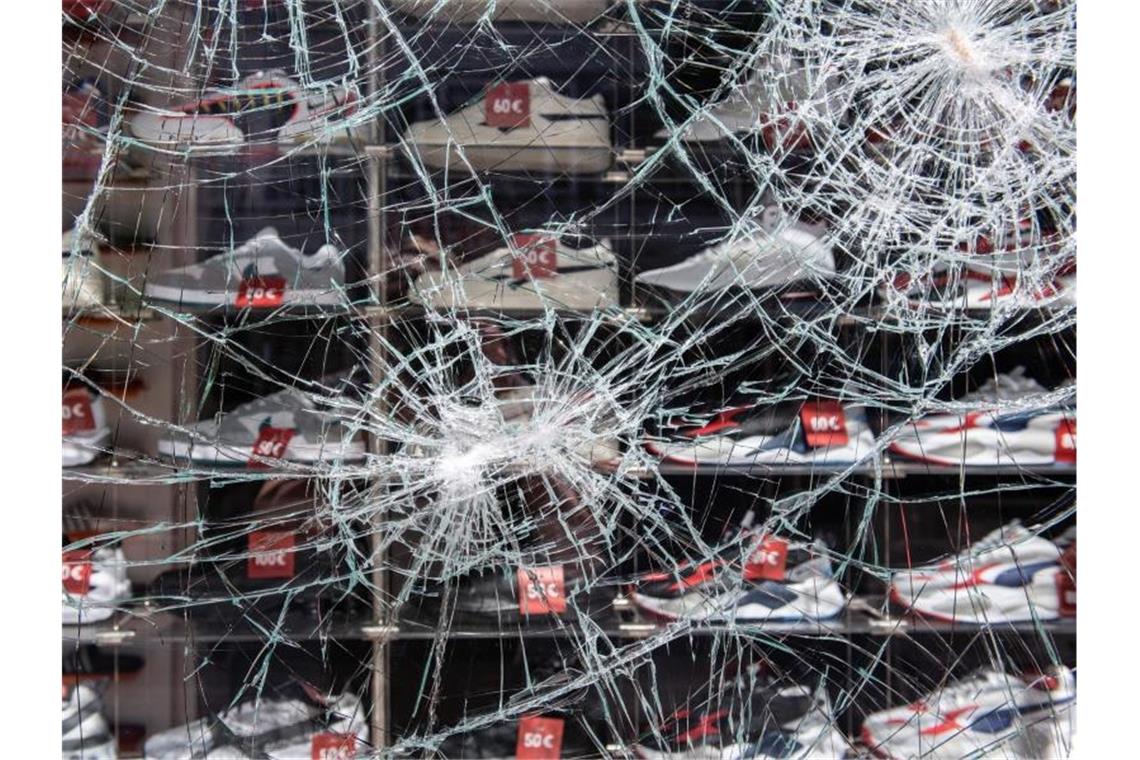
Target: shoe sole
{"type": "Point", "coordinates": [204, 453]}
{"type": "Point", "coordinates": [686, 454]}
{"type": "Point", "coordinates": [175, 296]}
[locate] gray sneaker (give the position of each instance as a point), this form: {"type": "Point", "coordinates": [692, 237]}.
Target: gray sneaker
{"type": "Point", "coordinates": [290, 425]}
{"type": "Point", "coordinates": [262, 273]}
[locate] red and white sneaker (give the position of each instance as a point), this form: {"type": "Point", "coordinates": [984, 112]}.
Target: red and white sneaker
{"type": "Point", "coordinates": [94, 584]}
{"type": "Point", "coordinates": [990, 714]}
{"type": "Point", "coordinates": [1010, 575]}
{"type": "Point", "coordinates": [85, 429]}
{"type": "Point", "coordinates": [280, 109]}
{"type": "Point", "coordinates": [1000, 428]}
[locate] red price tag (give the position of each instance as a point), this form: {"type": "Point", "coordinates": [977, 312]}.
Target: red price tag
{"type": "Point", "coordinates": [271, 443]}
{"type": "Point", "coordinates": [77, 572]}
{"type": "Point", "coordinates": [542, 590]}
{"type": "Point", "coordinates": [329, 746]}
{"type": "Point", "coordinates": [1066, 448]}
{"type": "Point", "coordinates": [539, 738]}
{"type": "Point", "coordinates": [271, 554]}
{"type": "Point", "coordinates": [824, 423]}
{"type": "Point", "coordinates": [768, 561]}
{"type": "Point", "coordinates": [261, 292]}
{"type": "Point", "coordinates": [77, 415]}
{"type": "Point", "coordinates": [537, 257]}
{"type": "Point", "coordinates": [508, 105]}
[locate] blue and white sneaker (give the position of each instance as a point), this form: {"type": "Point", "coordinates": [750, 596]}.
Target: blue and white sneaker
{"type": "Point", "coordinates": [1002, 428]}
{"type": "Point", "coordinates": [991, 713]}
{"type": "Point", "coordinates": [1008, 576]}
{"type": "Point", "coordinates": [809, 433]}
{"type": "Point", "coordinates": [755, 578]}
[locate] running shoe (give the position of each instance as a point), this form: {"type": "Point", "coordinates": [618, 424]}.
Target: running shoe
{"type": "Point", "coordinates": [569, 12]}
{"type": "Point", "coordinates": [760, 720]}
{"type": "Point", "coordinates": [85, 115]}
{"type": "Point", "coordinates": [525, 126]}
{"type": "Point", "coordinates": [83, 283]}
{"type": "Point", "coordinates": [85, 429]}
{"type": "Point", "coordinates": [297, 722]}
{"type": "Point", "coordinates": [790, 258]}
{"type": "Point", "coordinates": [1000, 428]}
{"type": "Point", "coordinates": [823, 432]}
{"type": "Point", "coordinates": [988, 714]}
{"type": "Point", "coordinates": [1010, 575]}
{"type": "Point", "coordinates": [534, 272]}
{"type": "Point", "coordinates": [263, 273]}
{"type": "Point", "coordinates": [86, 735]}
{"type": "Point", "coordinates": [754, 578]}
{"type": "Point", "coordinates": [263, 107]}
{"type": "Point", "coordinates": [94, 584]}
{"type": "Point", "coordinates": [290, 425]}
{"type": "Point", "coordinates": [783, 104]}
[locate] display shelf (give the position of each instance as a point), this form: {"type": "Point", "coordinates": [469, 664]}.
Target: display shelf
{"type": "Point", "coordinates": [125, 467]}
{"type": "Point", "coordinates": [900, 468]}
{"type": "Point", "coordinates": [141, 625]}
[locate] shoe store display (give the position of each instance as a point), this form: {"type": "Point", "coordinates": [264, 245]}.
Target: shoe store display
{"type": "Point", "coordinates": [1002, 427]}
{"type": "Point", "coordinates": [265, 107]}
{"type": "Point", "coordinates": [1009, 575]}
{"type": "Point", "coordinates": [262, 273]}
{"type": "Point", "coordinates": [536, 271]}
{"type": "Point", "coordinates": [518, 126]}
{"type": "Point", "coordinates": [570, 379]}
{"type": "Point", "coordinates": [1032, 716]}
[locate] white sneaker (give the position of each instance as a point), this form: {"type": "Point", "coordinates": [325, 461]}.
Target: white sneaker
{"type": "Point", "coordinates": [791, 256]}
{"type": "Point", "coordinates": [290, 425]}
{"type": "Point", "coordinates": [551, 132]}
{"type": "Point", "coordinates": [83, 284]}
{"type": "Point", "coordinates": [261, 273]}
{"type": "Point", "coordinates": [991, 714]}
{"type": "Point", "coordinates": [780, 103]}
{"type": "Point", "coordinates": [1009, 575]}
{"type": "Point", "coordinates": [94, 583]}
{"type": "Point", "coordinates": [218, 121]}
{"type": "Point", "coordinates": [535, 271]}
{"type": "Point", "coordinates": [1001, 427]}
{"type": "Point", "coordinates": [540, 11]}
{"type": "Point", "coordinates": [86, 735]}
{"type": "Point", "coordinates": [85, 429]}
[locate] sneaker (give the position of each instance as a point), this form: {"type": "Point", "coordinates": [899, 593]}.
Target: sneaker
{"type": "Point", "coordinates": [94, 584]}
{"type": "Point", "coordinates": [265, 106]}
{"type": "Point", "coordinates": [989, 436]}
{"type": "Point", "coordinates": [755, 578]}
{"type": "Point", "coordinates": [290, 425]}
{"type": "Point", "coordinates": [780, 104]}
{"type": "Point", "coordinates": [298, 722]}
{"type": "Point", "coordinates": [85, 116]}
{"type": "Point", "coordinates": [85, 429]}
{"type": "Point", "coordinates": [83, 283]}
{"type": "Point", "coordinates": [263, 273]}
{"type": "Point", "coordinates": [543, 735]}
{"type": "Point", "coordinates": [86, 735]}
{"type": "Point", "coordinates": [1010, 575]}
{"type": "Point", "coordinates": [990, 713]}
{"type": "Point", "coordinates": [752, 434]}
{"type": "Point", "coordinates": [756, 718]}
{"type": "Point", "coordinates": [570, 12]}
{"type": "Point", "coordinates": [790, 257]}
{"type": "Point", "coordinates": [534, 272]}
{"type": "Point", "coordinates": [523, 126]}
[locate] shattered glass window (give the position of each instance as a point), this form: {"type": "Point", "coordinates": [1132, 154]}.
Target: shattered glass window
{"type": "Point", "coordinates": [569, 378]}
